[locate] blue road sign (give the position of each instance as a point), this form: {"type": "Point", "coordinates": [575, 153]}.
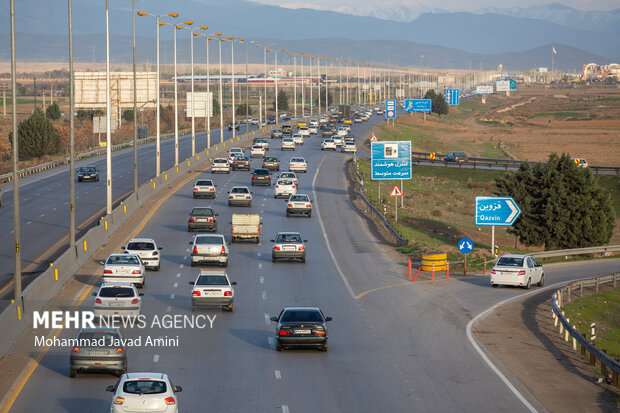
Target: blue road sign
{"type": "Point", "coordinates": [513, 85]}
{"type": "Point", "coordinates": [496, 210]}
{"type": "Point", "coordinates": [390, 109]}
{"type": "Point", "coordinates": [453, 97]}
{"type": "Point", "coordinates": [390, 160]}
{"type": "Point", "coordinates": [418, 105]}
{"type": "Point", "coordinates": [465, 245]}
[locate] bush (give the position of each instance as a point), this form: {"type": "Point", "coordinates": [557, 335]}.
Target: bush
{"type": "Point", "coordinates": [127, 115]}
{"type": "Point", "coordinates": [37, 137]}
{"type": "Point", "coordinates": [53, 112]}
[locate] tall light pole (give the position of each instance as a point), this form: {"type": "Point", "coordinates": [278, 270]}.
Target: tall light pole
{"type": "Point", "coordinates": [189, 23]}
{"type": "Point", "coordinates": [311, 86]}
{"type": "Point", "coordinates": [348, 96]}
{"type": "Point", "coordinates": [210, 99]}
{"type": "Point", "coordinates": [135, 104]}
{"type": "Point", "coordinates": [358, 84]}
{"type": "Point", "coordinates": [221, 98]}
{"type": "Point", "coordinates": [247, 88]}
{"type": "Point", "coordinates": [340, 80]}
{"type": "Point", "coordinates": [294, 83]}
{"type": "Point", "coordinates": [318, 85]}
{"type": "Point", "coordinates": [108, 113]}
{"type": "Point", "coordinates": [232, 79]}
{"type": "Point", "coordinates": [71, 131]}
{"type": "Point", "coordinates": [157, 122]}
{"type": "Point", "coordinates": [176, 96]}
{"type": "Point", "coordinates": [303, 97]}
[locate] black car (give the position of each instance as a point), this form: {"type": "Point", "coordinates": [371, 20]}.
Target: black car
{"type": "Point", "coordinates": [276, 133]}
{"type": "Point", "coordinates": [230, 125]}
{"type": "Point", "coordinates": [202, 218]}
{"type": "Point", "coordinates": [271, 163]}
{"type": "Point", "coordinates": [87, 173]}
{"type": "Point", "coordinates": [261, 176]}
{"type": "Point", "coordinates": [271, 120]}
{"type": "Point", "coordinates": [455, 157]}
{"type": "Point", "coordinates": [240, 162]}
{"type": "Point", "coordinates": [301, 327]}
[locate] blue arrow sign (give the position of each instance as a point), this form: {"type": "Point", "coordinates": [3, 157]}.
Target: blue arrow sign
{"type": "Point", "coordinates": [453, 97]}
{"type": "Point", "coordinates": [513, 85]}
{"type": "Point", "coordinates": [465, 245]}
{"type": "Point", "coordinates": [418, 105]}
{"type": "Point", "coordinates": [496, 210]}
{"type": "Point", "coordinates": [390, 109]}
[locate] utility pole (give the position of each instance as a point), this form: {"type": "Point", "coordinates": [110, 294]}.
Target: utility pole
{"type": "Point", "coordinates": [71, 133]}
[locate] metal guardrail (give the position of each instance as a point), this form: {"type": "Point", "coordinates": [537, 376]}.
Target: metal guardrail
{"type": "Point", "coordinates": [401, 241]}
{"type": "Point", "coordinates": [576, 251]}
{"type": "Point", "coordinates": [557, 302]}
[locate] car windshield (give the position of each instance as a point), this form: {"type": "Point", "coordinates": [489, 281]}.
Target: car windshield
{"type": "Point", "coordinates": [209, 240]}
{"type": "Point", "coordinates": [285, 182]}
{"type": "Point", "coordinates": [510, 262]}
{"type": "Point", "coordinates": [220, 161]}
{"type": "Point", "coordinates": [144, 386]}
{"type": "Point", "coordinates": [287, 175]}
{"type": "Point", "coordinates": [256, 147]}
{"type": "Point", "coordinates": [288, 238]}
{"type": "Point", "coordinates": [297, 160]}
{"type": "Point", "coordinates": [141, 246]}
{"type": "Point", "coordinates": [88, 169]}
{"type": "Point", "coordinates": [299, 198]}
{"type": "Point", "coordinates": [287, 140]}
{"type": "Point", "coordinates": [123, 259]}
{"type": "Point", "coordinates": [86, 338]}
{"type": "Point", "coordinates": [212, 280]}
{"type": "Point", "coordinates": [204, 183]}
{"type": "Point", "coordinates": [202, 212]}
{"type": "Point", "coordinates": [312, 316]}
{"type": "Point", "coordinates": [116, 292]}
{"type": "Point", "coordinates": [239, 190]}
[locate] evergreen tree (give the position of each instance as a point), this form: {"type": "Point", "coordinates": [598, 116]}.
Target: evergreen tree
{"type": "Point", "coordinates": [564, 206]}
{"type": "Point", "coordinates": [216, 106]}
{"type": "Point", "coordinates": [37, 137]}
{"type": "Point", "coordinates": [282, 100]}
{"type": "Point", "coordinates": [438, 102]}
{"type": "Point", "coordinates": [53, 111]}
{"type": "Point", "coordinates": [127, 115]}
{"type": "Point", "coordinates": [241, 111]}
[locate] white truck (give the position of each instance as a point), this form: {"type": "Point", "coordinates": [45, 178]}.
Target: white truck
{"type": "Point", "coordinates": [245, 226]}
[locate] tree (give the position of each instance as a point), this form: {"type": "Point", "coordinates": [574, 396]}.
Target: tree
{"type": "Point", "coordinates": [37, 137]}
{"type": "Point", "coordinates": [127, 115]}
{"type": "Point", "coordinates": [438, 102]}
{"type": "Point", "coordinates": [216, 106]}
{"type": "Point", "coordinates": [53, 111]}
{"type": "Point", "coordinates": [331, 98]}
{"type": "Point", "coordinates": [564, 206]}
{"type": "Point", "coordinates": [21, 90]}
{"type": "Point", "coordinates": [282, 100]}
{"type": "Point", "coordinates": [241, 111]}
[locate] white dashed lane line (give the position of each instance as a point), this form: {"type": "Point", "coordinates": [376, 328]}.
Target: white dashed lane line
{"type": "Point", "coordinates": [185, 257]}
{"type": "Point", "coordinates": [285, 408]}
{"type": "Point", "coordinates": [175, 285]}
{"type": "Point", "coordinates": [260, 266]}
{"type": "Point", "coordinates": [155, 358]}
{"type": "Point", "coordinates": [169, 308]}
{"type": "Point", "coordinates": [172, 296]}
{"type": "Point", "coordinates": [262, 280]}
{"type": "Point", "coordinates": [258, 254]}
{"type": "Point", "coordinates": [178, 275]}
{"type": "Point", "coordinates": [264, 294]}
{"type": "Point", "coordinates": [267, 319]}
{"type": "Point", "coordinates": [181, 266]}
{"type": "Point", "coordinates": [278, 374]}
{"type": "Point", "coordinates": [271, 342]}
{"type": "Point", "coordinates": [42, 215]}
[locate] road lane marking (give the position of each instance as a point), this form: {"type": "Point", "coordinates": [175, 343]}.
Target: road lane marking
{"type": "Point", "coordinates": [175, 285]}
{"type": "Point", "coordinates": [267, 319]}
{"type": "Point", "coordinates": [172, 296]}
{"type": "Point", "coordinates": [262, 280]}
{"type": "Point", "coordinates": [42, 215]}
{"type": "Point", "coordinates": [169, 308]}
{"type": "Point", "coordinates": [329, 248]}
{"type": "Point", "coordinates": [29, 222]}
{"type": "Point", "coordinates": [187, 250]}
{"type": "Point", "coordinates": [278, 374]}
{"type": "Point", "coordinates": [260, 265]}
{"type": "Point", "coordinates": [285, 408]}
{"type": "Point", "coordinates": [54, 209]}
{"type": "Point", "coordinates": [271, 342]}
{"type": "Point", "coordinates": [264, 294]}
{"type": "Point", "coordinates": [155, 358]}
{"type": "Point", "coordinates": [185, 257]}
{"type": "Point", "coordinates": [178, 275]}
{"type": "Point", "coordinates": [258, 254]}
{"type": "Point", "coordinates": [181, 266]}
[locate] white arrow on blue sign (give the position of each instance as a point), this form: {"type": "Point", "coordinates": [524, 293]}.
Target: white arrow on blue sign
{"type": "Point", "coordinates": [496, 210]}
{"type": "Point", "coordinates": [465, 245]}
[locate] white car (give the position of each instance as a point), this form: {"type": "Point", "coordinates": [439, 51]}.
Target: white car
{"type": "Point", "coordinates": [298, 164]}
{"type": "Point", "coordinates": [213, 288]}
{"type": "Point", "coordinates": [124, 268]}
{"type": "Point", "coordinates": [234, 152]}
{"type": "Point", "coordinates": [254, 121]}
{"type": "Point", "coordinates": [288, 143]}
{"type": "Point", "coordinates": [314, 130]}
{"type": "Point", "coordinates": [284, 187]}
{"type": "Point", "coordinates": [517, 270]}
{"type": "Point", "coordinates": [117, 300]}
{"type": "Point", "coordinates": [146, 249]}
{"type": "Point", "coordinates": [298, 138]}
{"type": "Point", "coordinates": [240, 195]}
{"type": "Point", "coordinates": [338, 139]}
{"type": "Point", "coordinates": [289, 175]}
{"type": "Point", "coordinates": [220, 165]}
{"type": "Point", "coordinates": [343, 130]}
{"type": "Point", "coordinates": [303, 131]}
{"type": "Point", "coordinates": [204, 187]}
{"type": "Point", "coordinates": [144, 392]}
{"type": "Point", "coordinates": [349, 147]}
{"type": "Point", "coordinates": [323, 119]}
{"type": "Point", "coordinates": [314, 122]}
{"type": "Point", "coordinates": [257, 150]}
{"type": "Point", "coordinates": [210, 248]}
{"type": "Point", "coordinates": [328, 144]}
{"type": "Point", "coordinates": [282, 114]}
{"type": "Point", "coordinates": [262, 142]}
{"type": "Point", "coordinates": [299, 204]}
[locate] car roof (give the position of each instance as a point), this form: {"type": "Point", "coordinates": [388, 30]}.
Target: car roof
{"type": "Point", "coordinates": [515, 256]}
{"type": "Point", "coordinates": [288, 232]}
{"type": "Point", "coordinates": [159, 376]}
{"type": "Point", "coordinates": [122, 255]}
{"type": "Point", "coordinates": [239, 186]}
{"type": "Point", "coordinates": [141, 240]}
{"type": "Point", "coordinates": [301, 308]}
{"type": "Point", "coordinates": [207, 235]}
{"type": "Point", "coordinates": [116, 284]}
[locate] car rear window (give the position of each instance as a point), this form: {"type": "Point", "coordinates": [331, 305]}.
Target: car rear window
{"type": "Point", "coordinates": [510, 262]}
{"type": "Point", "coordinates": [87, 169]}
{"type": "Point", "coordinates": [144, 387]}
{"type": "Point", "coordinates": [261, 172]}
{"type": "Point", "coordinates": [204, 183]}
{"type": "Point", "coordinates": [212, 280]}
{"type": "Point", "coordinates": [239, 190]}
{"type": "Point", "coordinates": [88, 337]}
{"type": "Point", "coordinates": [297, 160]}
{"type": "Point", "coordinates": [301, 315]}
{"type": "Point", "coordinates": [123, 259]}
{"type": "Point", "coordinates": [299, 198]}
{"type": "Point", "coordinates": [141, 246]}
{"type": "Point", "coordinates": [116, 292]}
{"type": "Point", "coordinates": [289, 238]}
{"type": "Point", "coordinates": [220, 161]}
{"type": "Point", "coordinates": [202, 212]}
{"type": "Point", "coordinates": [285, 182]}
{"type": "Point", "coordinates": [209, 240]}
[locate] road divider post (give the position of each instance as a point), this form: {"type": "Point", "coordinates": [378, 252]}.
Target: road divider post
{"type": "Point", "coordinates": [433, 273]}
{"type": "Point", "coordinates": [447, 270]}
{"type": "Point", "coordinates": [416, 274]}
{"type": "Point", "coordinates": [409, 262]}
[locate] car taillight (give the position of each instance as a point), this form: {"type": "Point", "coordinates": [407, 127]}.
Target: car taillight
{"type": "Point", "coordinates": [290, 205]}
{"type": "Point", "coordinates": [308, 206]}
{"type": "Point", "coordinates": [301, 248]}
{"type": "Point", "coordinates": [277, 186]}
{"type": "Point", "coordinates": [170, 400]}
{"type": "Point", "coordinates": [120, 350]}
{"type": "Point", "coordinates": [107, 271]}
{"type": "Point", "coordinates": [136, 272]}
{"type": "Point", "coordinates": [223, 250]}
{"type": "Point", "coordinates": [227, 293]}
{"type": "Point", "coordinates": [276, 248]}
{"type": "Point", "coordinates": [191, 220]}
{"type": "Point", "coordinates": [135, 301]}
{"type": "Point", "coordinates": [98, 301]}
{"type": "Point", "coordinates": [293, 186]}
{"type": "Point", "coordinates": [284, 333]}
{"type": "Point", "coordinates": [253, 177]}
{"type": "Point", "coordinates": [319, 333]}
{"type": "Point", "coordinates": [75, 349]}
{"type": "Point", "coordinates": [119, 400]}
{"type": "Point", "coordinates": [196, 293]}
{"type": "Point", "coordinates": [493, 271]}
{"type": "Point", "coordinates": [126, 252]}
{"type": "Point", "coordinates": [522, 272]}
{"type": "Point", "coordinates": [195, 251]}
{"type": "Point", "coordinates": [195, 189]}
{"type": "Point", "coordinates": [211, 219]}
{"type": "Point", "coordinates": [211, 189]}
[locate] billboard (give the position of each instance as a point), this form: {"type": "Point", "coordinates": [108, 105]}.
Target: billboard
{"type": "Point", "coordinates": [418, 105]}
{"type": "Point", "coordinates": [502, 86]}
{"type": "Point", "coordinates": [390, 160]}
{"type": "Point", "coordinates": [90, 90]}
{"type": "Point", "coordinates": [484, 90]}
{"type": "Point", "coordinates": [203, 102]}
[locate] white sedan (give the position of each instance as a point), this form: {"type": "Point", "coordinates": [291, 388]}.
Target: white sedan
{"type": "Point", "coordinates": [328, 144]}
{"type": "Point", "coordinates": [298, 164]}
{"type": "Point", "coordinates": [349, 147]}
{"type": "Point", "coordinates": [220, 165]}
{"type": "Point", "coordinates": [124, 268]}
{"type": "Point", "coordinates": [144, 392]}
{"type": "Point", "coordinates": [288, 143]}
{"type": "Point", "coordinates": [289, 175]}
{"type": "Point", "coordinates": [298, 139]}
{"type": "Point", "coordinates": [257, 150]}
{"type": "Point", "coordinates": [117, 300]}
{"type": "Point", "coordinates": [304, 131]}
{"type": "Point", "coordinates": [285, 187]}
{"type": "Point", "coordinates": [313, 129]}
{"type": "Point", "coordinates": [517, 270]}
{"type": "Point", "coordinates": [146, 249]}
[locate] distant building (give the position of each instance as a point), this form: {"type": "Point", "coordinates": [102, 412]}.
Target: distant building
{"type": "Point", "coordinates": [594, 70]}
{"type": "Point", "coordinates": [542, 70]}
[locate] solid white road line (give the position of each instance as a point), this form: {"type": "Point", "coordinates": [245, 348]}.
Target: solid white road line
{"type": "Point", "coordinates": [278, 374]}
{"type": "Point", "coordinates": [264, 294]}
{"type": "Point", "coordinates": [260, 266]}
{"type": "Point", "coordinates": [267, 319]}
{"type": "Point", "coordinates": [258, 254]}
{"type": "Point", "coordinates": [285, 408]}
{"type": "Point", "coordinates": [329, 248]}
{"type": "Point", "coordinates": [169, 308]}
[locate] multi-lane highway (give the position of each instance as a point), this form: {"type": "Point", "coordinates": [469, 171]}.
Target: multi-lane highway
{"type": "Point", "coordinates": [394, 346]}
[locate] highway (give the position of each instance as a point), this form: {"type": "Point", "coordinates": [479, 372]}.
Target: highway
{"type": "Point", "coordinates": [394, 346]}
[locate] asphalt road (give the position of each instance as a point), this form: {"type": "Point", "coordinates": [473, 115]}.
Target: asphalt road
{"type": "Point", "coordinates": [44, 200]}
{"type": "Point", "coordinates": [394, 346]}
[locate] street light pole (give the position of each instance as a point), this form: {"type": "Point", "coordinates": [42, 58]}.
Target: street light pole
{"type": "Point", "coordinates": [232, 79]}
{"type": "Point", "coordinates": [176, 98]}
{"type": "Point", "coordinates": [108, 110]}
{"type": "Point", "coordinates": [303, 98]}
{"type": "Point", "coordinates": [71, 131]}
{"type": "Point", "coordinates": [209, 98]}
{"type": "Point", "coordinates": [311, 86]}
{"type": "Point", "coordinates": [295, 83]}
{"type": "Point", "coordinates": [220, 91]}
{"type": "Point", "coordinates": [275, 57]}
{"type": "Point", "coordinates": [135, 105]}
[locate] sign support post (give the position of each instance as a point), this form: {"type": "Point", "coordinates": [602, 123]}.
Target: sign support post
{"type": "Point", "coordinates": [493, 239]}
{"type": "Point", "coordinates": [402, 198]}
{"type": "Point", "coordinates": [496, 211]}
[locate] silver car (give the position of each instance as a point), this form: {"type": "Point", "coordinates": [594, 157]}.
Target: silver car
{"type": "Point", "coordinates": [299, 204]}
{"type": "Point", "coordinates": [213, 288]}
{"type": "Point", "coordinates": [220, 165]}
{"type": "Point", "coordinates": [98, 349]}
{"type": "Point", "coordinates": [288, 245]}
{"type": "Point", "coordinates": [144, 392]}
{"type": "Point", "coordinates": [204, 187]}
{"type": "Point", "coordinates": [117, 300]}
{"type": "Point", "coordinates": [211, 248]}
{"type": "Point", "coordinates": [147, 250]}
{"type": "Point", "coordinates": [124, 268]}
{"type": "Point", "coordinates": [240, 195]}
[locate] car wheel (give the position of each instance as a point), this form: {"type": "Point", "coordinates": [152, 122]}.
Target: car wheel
{"type": "Point", "coordinates": [225, 264]}
{"type": "Point", "coordinates": [309, 214]}
{"type": "Point", "coordinates": [250, 204]}
{"type": "Point", "coordinates": [279, 347]}
{"type": "Point", "coordinates": [79, 179]}
{"type": "Point", "coordinates": [494, 285]}
{"type": "Point", "coordinates": [157, 268]}
{"type": "Point", "coordinates": [323, 348]}
{"type": "Point", "coordinates": [194, 196]}
{"type": "Point", "coordinates": [192, 264]}
{"type": "Point", "coordinates": [542, 280]}
{"type": "Point", "coordinates": [233, 239]}
{"type": "Point", "coordinates": [529, 284]}
{"type": "Point", "coordinates": [258, 240]}
{"type": "Point", "coordinates": [97, 179]}
{"type": "Point", "coordinates": [303, 259]}
{"type": "Point", "coordinates": [189, 229]}
{"type": "Point", "coordinates": [288, 214]}
{"type": "Point", "coordinates": [72, 373]}
{"type": "Point", "coordinates": [193, 308]}
{"type": "Point", "coordinates": [273, 259]}
{"type": "Point", "coordinates": [231, 307]}
{"type": "Point", "coordinates": [140, 285]}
